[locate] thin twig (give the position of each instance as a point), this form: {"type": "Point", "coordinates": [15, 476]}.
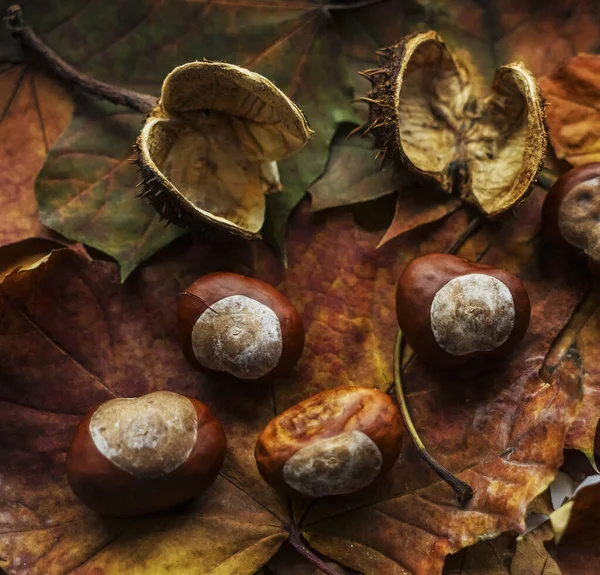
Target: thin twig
{"type": "Point", "coordinates": [351, 5]}
{"type": "Point", "coordinates": [31, 42]}
{"type": "Point", "coordinates": [470, 230]}
{"type": "Point", "coordinates": [297, 542]}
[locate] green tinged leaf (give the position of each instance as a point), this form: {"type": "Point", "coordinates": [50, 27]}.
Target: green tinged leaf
{"type": "Point", "coordinates": [294, 44]}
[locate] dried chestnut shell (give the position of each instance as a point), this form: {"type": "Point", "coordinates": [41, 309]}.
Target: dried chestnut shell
{"type": "Point", "coordinates": [426, 118]}
{"type": "Point", "coordinates": [571, 212]}
{"type": "Point", "coordinates": [142, 455]}
{"type": "Point", "coordinates": [336, 442]}
{"type": "Point", "coordinates": [452, 311]}
{"type": "Point", "coordinates": [240, 326]}
{"type": "Point", "coordinates": [208, 151]}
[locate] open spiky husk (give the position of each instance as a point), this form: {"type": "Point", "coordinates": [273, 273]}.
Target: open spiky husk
{"type": "Point", "coordinates": [425, 118]}
{"type": "Point", "coordinates": [208, 151]}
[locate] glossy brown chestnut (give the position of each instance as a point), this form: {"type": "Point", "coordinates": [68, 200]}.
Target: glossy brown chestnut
{"type": "Point", "coordinates": [334, 443]}
{"type": "Point", "coordinates": [571, 212]}
{"type": "Point", "coordinates": [453, 311]}
{"type": "Point", "coordinates": [142, 455]}
{"type": "Point", "coordinates": [240, 326]}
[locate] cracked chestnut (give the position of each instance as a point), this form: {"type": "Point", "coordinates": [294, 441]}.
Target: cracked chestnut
{"type": "Point", "coordinates": [337, 442]}
{"type": "Point", "coordinates": [571, 212]}
{"type": "Point", "coordinates": [142, 455]}
{"type": "Point", "coordinates": [453, 311]}
{"type": "Point", "coordinates": [240, 326]}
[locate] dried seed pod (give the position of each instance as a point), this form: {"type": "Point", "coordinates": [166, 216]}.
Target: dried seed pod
{"type": "Point", "coordinates": [145, 454]}
{"type": "Point", "coordinates": [334, 443]}
{"type": "Point", "coordinates": [208, 151]}
{"type": "Point", "coordinates": [425, 118]}
{"type": "Point", "coordinates": [240, 326]}
{"type": "Point", "coordinates": [571, 211]}
{"type": "Point", "coordinates": [453, 311]}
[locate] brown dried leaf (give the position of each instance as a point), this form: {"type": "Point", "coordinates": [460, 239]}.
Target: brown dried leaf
{"type": "Point", "coordinates": [484, 558]}
{"type": "Point", "coordinates": [72, 335]}
{"type": "Point", "coordinates": [532, 557]}
{"type": "Point", "coordinates": [414, 209]}
{"type": "Point", "coordinates": [35, 110]}
{"type": "Point", "coordinates": [572, 93]}
{"type": "Point", "coordinates": [582, 433]}
{"type": "Point", "coordinates": [577, 544]}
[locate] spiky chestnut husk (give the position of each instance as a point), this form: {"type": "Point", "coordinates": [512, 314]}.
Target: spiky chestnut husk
{"type": "Point", "coordinates": [207, 153]}
{"type": "Point", "coordinates": [424, 118]}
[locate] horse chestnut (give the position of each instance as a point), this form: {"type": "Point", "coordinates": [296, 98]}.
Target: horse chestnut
{"type": "Point", "coordinates": [146, 454]}
{"type": "Point", "coordinates": [333, 443]}
{"type": "Point", "coordinates": [240, 326]}
{"type": "Point", "coordinates": [452, 311]}
{"type": "Point", "coordinates": [571, 212]}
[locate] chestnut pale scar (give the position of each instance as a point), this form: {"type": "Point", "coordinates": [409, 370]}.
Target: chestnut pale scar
{"type": "Point", "coordinates": [470, 313]}
{"type": "Point", "coordinates": [238, 335]}
{"type": "Point", "coordinates": [334, 466]}
{"type": "Point", "coordinates": [148, 436]}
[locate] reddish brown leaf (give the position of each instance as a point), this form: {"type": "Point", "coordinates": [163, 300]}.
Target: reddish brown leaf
{"type": "Point", "coordinates": [35, 110]}
{"type": "Point", "coordinates": [583, 431]}
{"type": "Point", "coordinates": [578, 549]}
{"type": "Point", "coordinates": [416, 208]}
{"type": "Point", "coordinates": [71, 335]}
{"type": "Point", "coordinates": [572, 93]}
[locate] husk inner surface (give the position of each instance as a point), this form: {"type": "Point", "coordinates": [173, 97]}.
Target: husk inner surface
{"type": "Point", "coordinates": [215, 138]}
{"type": "Point", "coordinates": [483, 148]}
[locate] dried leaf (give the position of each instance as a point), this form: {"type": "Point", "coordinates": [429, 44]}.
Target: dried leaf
{"type": "Point", "coordinates": [582, 433]}
{"type": "Point", "coordinates": [35, 110]}
{"type": "Point", "coordinates": [577, 551]}
{"type": "Point", "coordinates": [532, 557]}
{"type": "Point", "coordinates": [86, 188]}
{"type": "Point", "coordinates": [72, 336]}
{"type": "Point", "coordinates": [484, 558]}
{"type": "Point", "coordinates": [572, 93]}
{"type": "Point", "coordinates": [415, 208]}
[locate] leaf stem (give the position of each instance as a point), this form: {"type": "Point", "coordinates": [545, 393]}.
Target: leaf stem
{"type": "Point", "coordinates": [463, 491]}
{"type": "Point", "coordinates": [547, 178]}
{"type": "Point", "coordinates": [297, 542]}
{"type": "Point", "coordinates": [31, 42]}
{"type": "Point", "coordinates": [471, 229]}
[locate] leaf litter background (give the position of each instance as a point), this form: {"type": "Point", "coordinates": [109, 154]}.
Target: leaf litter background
{"type": "Point", "coordinates": [73, 335]}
